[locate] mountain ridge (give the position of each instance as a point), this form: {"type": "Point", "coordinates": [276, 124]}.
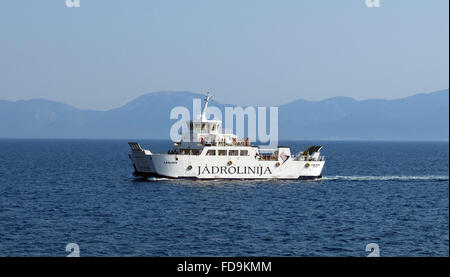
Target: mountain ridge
{"type": "Point", "coordinates": [422, 116]}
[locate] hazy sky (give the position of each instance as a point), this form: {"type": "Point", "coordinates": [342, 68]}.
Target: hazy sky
{"type": "Point", "coordinates": [257, 52]}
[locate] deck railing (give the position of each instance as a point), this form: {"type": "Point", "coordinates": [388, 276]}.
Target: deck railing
{"type": "Point", "coordinates": [236, 143]}
{"type": "Point", "coordinates": [309, 158]}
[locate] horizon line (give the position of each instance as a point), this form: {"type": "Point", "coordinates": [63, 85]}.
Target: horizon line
{"type": "Point", "coordinates": [200, 94]}
{"type": "Point", "coordinates": [290, 140]}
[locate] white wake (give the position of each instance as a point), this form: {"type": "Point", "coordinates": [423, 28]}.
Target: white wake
{"type": "Point", "coordinates": [389, 178]}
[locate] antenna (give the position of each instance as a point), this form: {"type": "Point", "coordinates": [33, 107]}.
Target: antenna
{"type": "Point", "coordinates": [207, 97]}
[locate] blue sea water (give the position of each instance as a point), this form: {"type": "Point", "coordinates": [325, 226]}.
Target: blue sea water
{"type": "Point", "coordinates": [55, 192]}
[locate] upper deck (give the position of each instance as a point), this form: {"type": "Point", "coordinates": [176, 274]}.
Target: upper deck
{"type": "Point", "coordinates": [205, 138]}
{"type": "Point", "coordinates": [208, 132]}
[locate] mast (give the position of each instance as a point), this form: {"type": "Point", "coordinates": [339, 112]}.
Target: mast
{"type": "Point", "coordinates": [207, 97]}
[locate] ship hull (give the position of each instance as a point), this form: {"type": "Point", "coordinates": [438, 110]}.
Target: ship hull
{"type": "Point", "coordinates": [155, 175]}
{"type": "Point", "coordinates": [227, 167]}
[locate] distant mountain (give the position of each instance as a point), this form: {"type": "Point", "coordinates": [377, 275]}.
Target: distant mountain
{"type": "Point", "coordinates": [419, 117]}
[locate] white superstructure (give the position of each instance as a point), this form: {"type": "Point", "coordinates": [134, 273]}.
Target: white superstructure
{"type": "Point", "coordinates": [205, 152]}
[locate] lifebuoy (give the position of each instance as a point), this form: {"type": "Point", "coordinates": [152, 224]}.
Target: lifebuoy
{"type": "Point", "coordinates": [307, 164]}
{"type": "Point", "coordinates": [189, 167]}
{"type": "Point", "coordinates": [230, 163]}
{"type": "Point", "coordinates": [278, 164]}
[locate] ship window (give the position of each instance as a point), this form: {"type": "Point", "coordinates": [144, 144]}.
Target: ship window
{"type": "Point", "coordinates": [211, 153]}
{"type": "Point", "coordinates": [233, 152]}
{"type": "Point", "coordinates": [244, 152]}
{"type": "Point", "coordinates": [222, 152]}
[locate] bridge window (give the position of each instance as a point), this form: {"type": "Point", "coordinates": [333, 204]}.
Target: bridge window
{"type": "Point", "coordinates": [211, 153]}
{"type": "Point", "coordinates": [244, 152]}
{"type": "Point", "coordinates": [233, 152]}
{"type": "Point", "coordinates": [222, 152]}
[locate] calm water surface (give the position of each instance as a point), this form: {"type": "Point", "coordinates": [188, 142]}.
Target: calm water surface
{"type": "Point", "coordinates": [54, 192]}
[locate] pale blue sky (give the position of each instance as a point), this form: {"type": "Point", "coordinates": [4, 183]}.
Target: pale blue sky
{"type": "Point", "coordinates": [257, 52]}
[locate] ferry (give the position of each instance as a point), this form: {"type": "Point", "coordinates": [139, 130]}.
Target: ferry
{"type": "Point", "coordinates": [205, 152]}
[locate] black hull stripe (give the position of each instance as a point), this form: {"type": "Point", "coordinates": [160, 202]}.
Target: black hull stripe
{"type": "Point", "coordinates": [156, 175]}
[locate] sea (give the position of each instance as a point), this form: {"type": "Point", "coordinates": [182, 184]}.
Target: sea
{"type": "Point", "coordinates": [388, 196]}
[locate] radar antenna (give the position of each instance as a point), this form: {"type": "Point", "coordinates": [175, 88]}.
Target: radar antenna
{"type": "Point", "coordinates": [207, 98]}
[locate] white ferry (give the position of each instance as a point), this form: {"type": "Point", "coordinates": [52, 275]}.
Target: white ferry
{"type": "Point", "coordinates": [212, 154]}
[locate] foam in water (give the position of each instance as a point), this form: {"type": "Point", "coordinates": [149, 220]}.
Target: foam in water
{"type": "Point", "coordinates": [388, 178]}
{"type": "Point", "coordinates": [347, 178]}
